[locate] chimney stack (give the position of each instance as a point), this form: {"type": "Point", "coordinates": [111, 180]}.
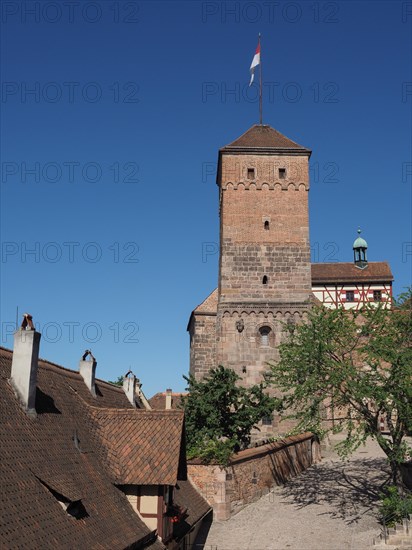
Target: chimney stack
{"type": "Point", "coordinates": [87, 368]}
{"type": "Point", "coordinates": [25, 363]}
{"type": "Point", "coordinates": [168, 404]}
{"type": "Point", "coordinates": [129, 387]}
{"type": "Point", "coordinates": [141, 398]}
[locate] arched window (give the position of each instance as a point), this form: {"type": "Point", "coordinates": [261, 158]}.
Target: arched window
{"type": "Point", "coordinates": [264, 335]}
{"type": "Point", "coordinates": [264, 280]}
{"type": "Point", "coordinates": [266, 225]}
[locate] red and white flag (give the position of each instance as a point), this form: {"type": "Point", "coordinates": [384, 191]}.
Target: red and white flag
{"type": "Point", "coordinates": [255, 63]}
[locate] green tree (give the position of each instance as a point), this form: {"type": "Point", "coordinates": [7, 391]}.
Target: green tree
{"type": "Point", "coordinates": [119, 381]}
{"type": "Point", "coordinates": [360, 365]}
{"type": "Point", "coordinates": [220, 414]}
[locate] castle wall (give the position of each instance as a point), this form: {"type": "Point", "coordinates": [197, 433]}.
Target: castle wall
{"type": "Point", "coordinates": [252, 473]}
{"type": "Point", "coordinates": [202, 330]}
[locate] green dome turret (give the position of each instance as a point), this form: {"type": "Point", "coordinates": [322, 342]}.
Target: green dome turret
{"type": "Point", "coordinates": [359, 242]}
{"type": "Point", "coordinates": [359, 251]}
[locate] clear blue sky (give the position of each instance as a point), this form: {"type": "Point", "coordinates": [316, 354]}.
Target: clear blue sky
{"type": "Point", "coordinates": [112, 114]}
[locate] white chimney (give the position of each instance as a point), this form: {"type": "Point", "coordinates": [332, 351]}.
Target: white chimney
{"type": "Point", "coordinates": [25, 363]}
{"type": "Point", "coordinates": [129, 387]}
{"type": "Point", "coordinates": [87, 368]}
{"type": "Point", "coordinates": [141, 398]}
{"type": "Point", "coordinates": [168, 404]}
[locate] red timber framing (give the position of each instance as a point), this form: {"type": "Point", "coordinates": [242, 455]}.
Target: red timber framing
{"type": "Point", "coordinates": [335, 295]}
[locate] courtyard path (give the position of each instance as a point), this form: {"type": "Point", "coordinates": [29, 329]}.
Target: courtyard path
{"type": "Point", "coordinates": [331, 506]}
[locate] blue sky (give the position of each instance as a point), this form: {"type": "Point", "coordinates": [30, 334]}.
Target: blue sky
{"type": "Point", "coordinates": [112, 114]}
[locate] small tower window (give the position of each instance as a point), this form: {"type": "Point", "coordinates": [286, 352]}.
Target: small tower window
{"type": "Point", "coordinates": [266, 225]}
{"type": "Point", "coordinates": [282, 173]}
{"type": "Point", "coordinates": [264, 335]}
{"type": "Point", "coordinates": [267, 421]}
{"type": "Point", "coordinates": [250, 173]}
{"type": "Point", "coordinates": [264, 280]}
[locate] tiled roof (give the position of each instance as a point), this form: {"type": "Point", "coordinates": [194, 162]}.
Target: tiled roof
{"type": "Point", "coordinates": [264, 137]}
{"type": "Point", "coordinates": [140, 447]}
{"type": "Point", "coordinates": [339, 272]}
{"type": "Point", "coordinates": [346, 272]}
{"type": "Point", "coordinates": [207, 307]}
{"type": "Point", "coordinates": [54, 457]}
{"type": "Point", "coordinates": [158, 401]}
{"type": "Point", "coordinates": [188, 498]}
{"type": "Point", "coordinates": [209, 304]}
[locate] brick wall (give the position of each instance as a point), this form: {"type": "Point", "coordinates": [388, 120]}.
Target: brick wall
{"type": "Point", "coordinates": [250, 251]}
{"type": "Point", "coordinates": [252, 473]}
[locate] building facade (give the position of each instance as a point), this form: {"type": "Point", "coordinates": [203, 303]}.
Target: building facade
{"type": "Point", "coordinates": [264, 267]}
{"type": "Point", "coordinates": [266, 278]}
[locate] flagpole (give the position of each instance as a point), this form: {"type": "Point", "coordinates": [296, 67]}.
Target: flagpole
{"type": "Point", "coordinates": [260, 82]}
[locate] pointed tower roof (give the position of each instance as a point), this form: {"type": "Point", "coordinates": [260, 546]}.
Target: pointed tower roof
{"type": "Point", "coordinates": [264, 139]}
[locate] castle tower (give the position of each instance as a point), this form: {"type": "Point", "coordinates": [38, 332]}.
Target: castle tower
{"type": "Point", "coordinates": [264, 269]}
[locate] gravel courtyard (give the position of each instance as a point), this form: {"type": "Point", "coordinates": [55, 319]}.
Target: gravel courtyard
{"type": "Point", "coordinates": [331, 506]}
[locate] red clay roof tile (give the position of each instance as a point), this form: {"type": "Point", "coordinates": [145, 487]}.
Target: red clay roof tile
{"type": "Point", "coordinates": [346, 272]}
{"type": "Point", "coordinates": [54, 455]}
{"type": "Point", "coordinates": [264, 137]}
{"type": "Point", "coordinates": [140, 447]}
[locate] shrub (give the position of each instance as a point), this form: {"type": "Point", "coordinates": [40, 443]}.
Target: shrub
{"type": "Point", "coordinates": [394, 506]}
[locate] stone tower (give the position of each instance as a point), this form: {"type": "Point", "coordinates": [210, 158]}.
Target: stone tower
{"type": "Point", "coordinates": [264, 267]}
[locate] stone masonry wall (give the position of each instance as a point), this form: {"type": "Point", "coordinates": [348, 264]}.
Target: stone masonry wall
{"type": "Point", "coordinates": [265, 270]}
{"type": "Point", "coordinates": [244, 265]}
{"type": "Point", "coordinates": [252, 473]}
{"type": "Point", "coordinates": [249, 354]}
{"type": "Point", "coordinates": [202, 331]}
{"type": "Point", "coordinates": [249, 252]}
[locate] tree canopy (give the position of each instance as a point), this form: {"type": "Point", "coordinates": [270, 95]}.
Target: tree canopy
{"type": "Point", "coordinates": [118, 382]}
{"type": "Point", "coordinates": [220, 414]}
{"type": "Point", "coordinates": [357, 364]}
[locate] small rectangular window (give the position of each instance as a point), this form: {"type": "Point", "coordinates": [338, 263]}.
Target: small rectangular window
{"type": "Point", "coordinates": [250, 173]}
{"type": "Point", "coordinates": [282, 173]}
{"type": "Point", "coordinates": [377, 295]}
{"type": "Point", "coordinates": [267, 421]}
{"type": "Point", "coordinates": [350, 296]}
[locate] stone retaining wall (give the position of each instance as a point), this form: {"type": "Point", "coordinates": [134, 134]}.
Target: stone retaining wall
{"type": "Point", "coordinates": [251, 473]}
